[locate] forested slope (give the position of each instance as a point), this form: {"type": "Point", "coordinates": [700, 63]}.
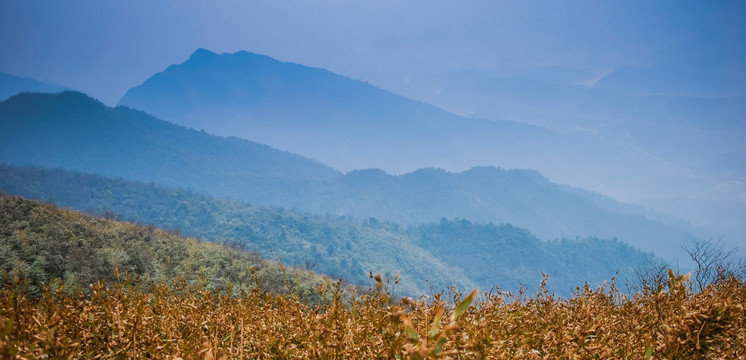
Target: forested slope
{"type": "Point", "coordinates": [488, 254]}
{"type": "Point", "coordinates": [331, 246]}
{"type": "Point", "coordinates": [44, 242]}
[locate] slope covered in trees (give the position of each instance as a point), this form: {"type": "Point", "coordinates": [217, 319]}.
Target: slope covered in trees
{"type": "Point", "coordinates": [523, 198]}
{"type": "Point", "coordinates": [509, 256]}
{"type": "Point", "coordinates": [488, 254]}
{"type": "Point", "coordinates": [43, 243]}
{"type": "Point", "coordinates": [331, 246]}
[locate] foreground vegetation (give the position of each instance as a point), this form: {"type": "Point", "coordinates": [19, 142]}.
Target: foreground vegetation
{"type": "Point", "coordinates": [80, 286]}
{"type": "Point", "coordinates": [133, 319]}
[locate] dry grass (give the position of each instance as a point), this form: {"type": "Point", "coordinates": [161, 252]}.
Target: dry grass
{"type": "Point", "coordinates": [132, 319]}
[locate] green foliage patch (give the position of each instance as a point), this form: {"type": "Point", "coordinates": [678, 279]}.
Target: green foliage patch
{"type": "Point", "coordinates": [45, 243]}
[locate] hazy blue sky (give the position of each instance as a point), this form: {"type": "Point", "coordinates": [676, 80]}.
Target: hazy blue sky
{"type": "Point", "coordinates": [104, 47]}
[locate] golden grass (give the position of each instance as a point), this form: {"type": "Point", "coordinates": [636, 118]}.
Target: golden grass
{"type": "Point", "coordinates": [132, 319]}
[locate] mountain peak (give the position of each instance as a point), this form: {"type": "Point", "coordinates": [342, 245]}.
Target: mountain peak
{"type": "Point", "coordinates": [293, 107]}
{"type": "Point", "coordinates": [202, 54]}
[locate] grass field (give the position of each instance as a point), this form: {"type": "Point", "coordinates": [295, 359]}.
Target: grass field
{"type": "Point", "coordinates": [133, 319]}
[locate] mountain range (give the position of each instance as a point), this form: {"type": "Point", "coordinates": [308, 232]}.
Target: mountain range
{"type": "Point", "coordinates": [697, 137]}
{"type": "Point", "coordinates": [674, 152]}
{"type": "Point", "coordinates": [349, 124]}
{"type": "Point", "coordinates": [72, 131]}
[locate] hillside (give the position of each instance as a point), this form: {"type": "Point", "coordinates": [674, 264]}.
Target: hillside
{"type": "Point", "coordinates": [44, 243]}
{"type": "Point", "coordinates": [501, 255]}
{"type": "Point", "coordinates": [332, 246]}
{"type": "Point", "coordinates": [74, 131]}
{"type": "Point", "coordinates": [11, 85]}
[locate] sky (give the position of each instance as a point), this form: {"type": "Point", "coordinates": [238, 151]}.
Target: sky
{"type": "Point", "coordinates": [436, 51]}
{"type": "Point", "coordinates": [104, 47]}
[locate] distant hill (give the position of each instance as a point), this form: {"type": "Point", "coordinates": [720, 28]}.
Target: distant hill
{"type": "Point", "coordinates": [523, 198]}
{"type": "Point", "coordinates": [72, 131]}
{"type": "Point", "coordinates": [11, 85]}
{"type": "Point", "coordinates": [500, 254]}
{"type": "Point", "coordinates": [444, 253]}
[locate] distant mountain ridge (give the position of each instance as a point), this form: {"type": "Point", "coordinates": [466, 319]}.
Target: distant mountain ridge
{"type": "Point", "coordinates": [11, 85]}
{"type": "Point", "coordinates": [72, 131]}
{"type": "Point", "coordinates": [344, 123]}
{"type": "Point", "coordinates": [349, 124]}
{"type": "Point", "coordinates": [524, 198]}
{"type": "Point", "coordinates": [253, 81]}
